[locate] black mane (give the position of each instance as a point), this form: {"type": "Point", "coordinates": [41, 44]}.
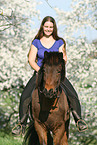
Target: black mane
{"type": "Point", "coordinates": [52, 58]}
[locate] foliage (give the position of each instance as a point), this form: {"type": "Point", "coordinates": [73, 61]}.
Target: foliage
{"type": "Point", "coordinates": [16, 34]}
{"type": "Point", "coordinates": [6, 139]}
{"type": "Point", "coordinates": [16, 20]}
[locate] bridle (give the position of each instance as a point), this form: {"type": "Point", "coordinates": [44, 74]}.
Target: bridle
{"type": "Point", "coordinates": [50, 94]}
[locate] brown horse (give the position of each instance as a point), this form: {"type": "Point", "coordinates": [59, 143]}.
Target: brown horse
{"type": "Point", "coordinates": [50, 108]}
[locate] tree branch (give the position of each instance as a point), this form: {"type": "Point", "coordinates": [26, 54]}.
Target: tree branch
{"type": "Point", "coordinates": [48, 4]}
{"type": "Point", "coordinates": [5, 29]}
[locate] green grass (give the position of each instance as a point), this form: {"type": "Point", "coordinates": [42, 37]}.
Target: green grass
{"type": "Point", "coordinates": [8, 139]}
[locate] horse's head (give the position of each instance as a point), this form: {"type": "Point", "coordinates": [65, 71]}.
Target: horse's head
{"type": "Point", "coordinates": [51, 73]}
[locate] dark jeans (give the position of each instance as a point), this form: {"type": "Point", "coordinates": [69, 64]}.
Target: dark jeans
{"type": "Point", "coordinates": [67, 87]}
{"type": "Point", "coordinates": [72, 97]}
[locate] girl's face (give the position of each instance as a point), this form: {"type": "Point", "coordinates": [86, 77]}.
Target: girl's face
{"type": "Point", "coordinates": [48, 28]}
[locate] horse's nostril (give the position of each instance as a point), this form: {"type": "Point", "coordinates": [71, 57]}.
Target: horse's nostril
{"type": "Point", "coordinates": [50, 93]}
{"type": "Point", "coordinates": [51, 90]}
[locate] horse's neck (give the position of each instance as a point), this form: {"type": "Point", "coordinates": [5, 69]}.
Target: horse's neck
{"type": "Point", "coordinates": [48, 104]}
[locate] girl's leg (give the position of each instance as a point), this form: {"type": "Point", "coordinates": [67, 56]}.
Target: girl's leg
{"type": "Point", "coordinates": [25, 101]}
{"type": "Point", "coordinates": [73, 102]}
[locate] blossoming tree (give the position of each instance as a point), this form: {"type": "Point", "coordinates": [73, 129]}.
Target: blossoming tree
{"type": "Point", "coordinates": [16, 33]}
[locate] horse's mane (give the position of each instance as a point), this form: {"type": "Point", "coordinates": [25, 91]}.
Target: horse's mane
{"type": "Point", "coordinates": [52, 58]}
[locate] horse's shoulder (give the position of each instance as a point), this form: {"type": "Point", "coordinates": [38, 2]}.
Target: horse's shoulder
{"type": "Point", "coordinates": [64, 100]}
{"type": "Point", "coordinates": [34, 94]}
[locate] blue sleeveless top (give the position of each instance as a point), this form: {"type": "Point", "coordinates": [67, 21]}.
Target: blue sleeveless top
{"type": "Point", "coordinates": [41, 49]}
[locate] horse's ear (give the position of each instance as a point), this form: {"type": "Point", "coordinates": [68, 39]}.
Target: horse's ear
{"type": "Point", "coordinates": [61, 55]}
{"type": "Point", "coordinates": [46, 54]}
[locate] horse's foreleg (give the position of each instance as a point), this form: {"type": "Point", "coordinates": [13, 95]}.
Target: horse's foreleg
{"type": "Point", "coordinates": [42, 133]}
{"type": "Point", "coordinates": [64, 140]}
{"type": "Point", "coordinates": [58, 134]}
{"type": "Point", "coordinates": [60, 137]}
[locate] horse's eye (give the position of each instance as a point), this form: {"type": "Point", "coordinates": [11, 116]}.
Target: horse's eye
{"type": "Point", "coordinates": [59, 71]}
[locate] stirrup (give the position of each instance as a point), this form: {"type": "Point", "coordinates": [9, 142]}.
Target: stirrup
{"type": "Point", "coordinates": [78, 125]}
{"type": "Point", "coordinates": [16, 127]}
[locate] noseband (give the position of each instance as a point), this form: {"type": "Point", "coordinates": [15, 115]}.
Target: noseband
{"type": "Point", "coordinates": [50, 94]}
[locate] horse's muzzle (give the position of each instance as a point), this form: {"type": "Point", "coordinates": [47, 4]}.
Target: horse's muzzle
{"type": "Point", "coordinates": [50, 94]}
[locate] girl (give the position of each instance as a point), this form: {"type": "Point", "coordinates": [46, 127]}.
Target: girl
{"type": "Point", "coordinates": [47, 39]}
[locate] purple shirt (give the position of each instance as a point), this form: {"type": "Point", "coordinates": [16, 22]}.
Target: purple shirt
{"type": "Point", "coordinates": [42, 49]}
